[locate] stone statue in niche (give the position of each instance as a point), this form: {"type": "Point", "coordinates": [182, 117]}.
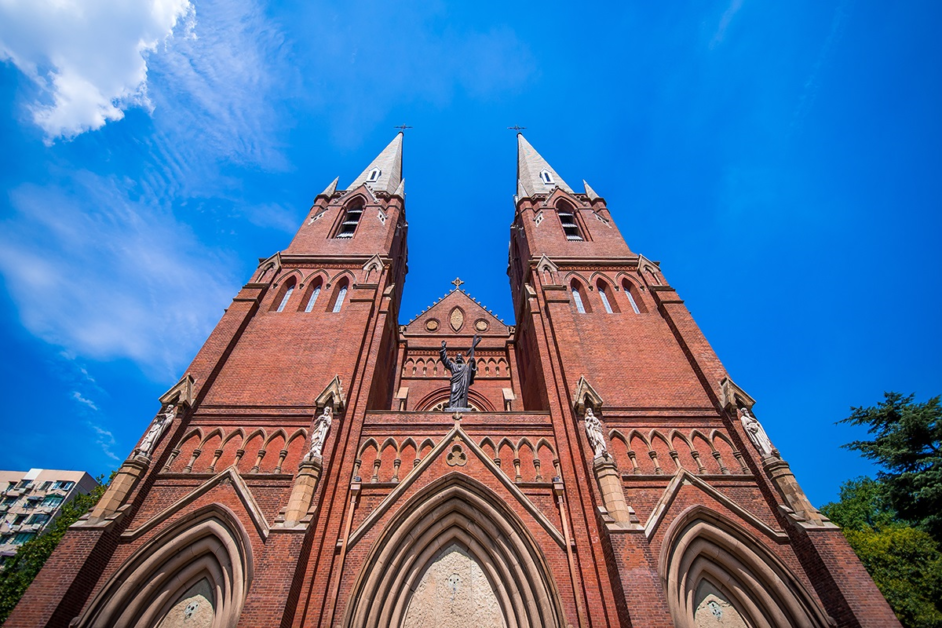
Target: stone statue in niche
{"type": "Point", "coordinates": [156, 429]}
{"type": "Point", "coordinates": [319, 434]}
{"type": "Point", "coordinates": [593, 429]}
{"type": "Point", "coordinates": [756, 433]}
{"type": "Point", "coordinates": [462, 376]}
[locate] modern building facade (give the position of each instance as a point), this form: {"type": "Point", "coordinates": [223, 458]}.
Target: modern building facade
{"type": "Point", "coordinates": [31, 500]}
{"type": "Point", "coordinates": [310, 469]}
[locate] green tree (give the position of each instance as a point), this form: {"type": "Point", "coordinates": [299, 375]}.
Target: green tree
{"type": "Point", "coordinates": [19, 571]}
{"type": "Point", "coordinates": [906, 444]}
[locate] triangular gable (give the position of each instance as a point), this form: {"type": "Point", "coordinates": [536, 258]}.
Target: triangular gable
{"type": "Point", "coordinates": [238, 485]}
{"type": "Point", "coordinates": [685, 477]}
{"type": "Point", "coordinates": [446, 442]}
{"type": "Point", "coordinates": [181, 394]}
{"type": "Point", "coordinates": [332, 395]}
{"type": "Point", "coordinates": [586, 397]}
{"type": "Point", "coordinates": [472, 311]}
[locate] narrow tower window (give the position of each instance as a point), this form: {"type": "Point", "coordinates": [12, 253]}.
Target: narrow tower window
{"type": "Point", "coordinates": [631, 299]}
{"type": "Point", "coordinates": [577, 298]}
{"type": "Point", "coordinates": [567, 219]}
{"type": "Point", "coordinates": [603, 295]}
{"type": "Point", "coordinates": [284, 299]}
{"type": "Point", "coordinates": [373, 177]}
{"type": "Point", "coordinates": [313, 298]}
{"type": "Point", "coordinates": [351, 219]}
{"type": "Point", "coordinates": [547, 177]}
{"type": "Point", "coordinates": [341, 295]}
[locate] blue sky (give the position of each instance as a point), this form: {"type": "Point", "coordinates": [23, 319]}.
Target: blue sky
{"type": "Point", "coordinates": [782, 162]}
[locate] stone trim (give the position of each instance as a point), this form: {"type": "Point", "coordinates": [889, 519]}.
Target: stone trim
{"type": "Point", "coordinates": [437, 451]}
{"type": "Point", "coordinates": [455, 508]}
{"type": "Point", "coordinates": [685, 477]}
{"type": "Point", "coordinates": [209, 543]}
{"type": "Point", "coordinates": [238, 484]}
{"type": "Point", "coordinates": [703, 545]}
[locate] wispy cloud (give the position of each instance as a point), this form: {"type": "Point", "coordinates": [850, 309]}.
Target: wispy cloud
{"type": "Point", "coordinates": [810, 90]}
{"type": "Point", "coordinates": [725, 21]}
{"type": "Point", "coordinates": [105, 440]}
{"type": "Point", "coordinates": [106, 276]}
{"type": "Point", "coordinates": [82, 400]}
{"type": "Point", "coordinates": [87, 57]}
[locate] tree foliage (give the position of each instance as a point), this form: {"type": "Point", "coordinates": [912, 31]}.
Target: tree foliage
{"type": "Point", "coordinates": [906, 444]}
{"type": "Point", "coordinates": [19, 571]}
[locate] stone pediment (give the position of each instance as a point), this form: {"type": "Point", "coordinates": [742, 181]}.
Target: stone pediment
{"type": "Point", "coordinates": [457, 314]}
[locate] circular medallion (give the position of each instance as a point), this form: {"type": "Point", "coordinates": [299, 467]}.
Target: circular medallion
{"type": "Point", "coordinates": [480, 324]}
{"type": "Point", "coordinates": [431, 324]}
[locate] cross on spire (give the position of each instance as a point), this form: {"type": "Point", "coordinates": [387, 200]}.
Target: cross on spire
{"type": "Point", "coordinates": [457, 283]}
{"type": "Point", "coordinates": [516, 128]}
{"type": "Point", "coordinates": [402, 127]}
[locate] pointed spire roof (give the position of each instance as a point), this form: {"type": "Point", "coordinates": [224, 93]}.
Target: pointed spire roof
{"type": "Point", "coordinates": [530, 166]}
{"type": "Point", "coordinates": [330, 188]}
{"type": "Point", "coordinates": [389, 165]}
{"type": "Point", "coordinates": [589, 191]}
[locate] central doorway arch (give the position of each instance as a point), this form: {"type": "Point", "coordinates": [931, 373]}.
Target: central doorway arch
{"type": "Point", "coordinates": [455, 524]}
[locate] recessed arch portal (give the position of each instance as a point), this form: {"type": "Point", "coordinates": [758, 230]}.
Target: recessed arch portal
{"type": "Point", "coordinates": [709, 561]}
{"type": "Point", "coordinates": [205, 558]}
{"type": "Point", "coordinates": [455, 512]}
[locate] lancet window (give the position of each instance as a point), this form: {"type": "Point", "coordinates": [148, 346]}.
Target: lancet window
{"type": "Point", "coordinates": [351, 218]}
{"type": "Point", "coordinates": [567, 219]}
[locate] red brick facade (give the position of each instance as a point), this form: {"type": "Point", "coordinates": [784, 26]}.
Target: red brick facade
{"type": "Point", "coordinates": [681, 496]}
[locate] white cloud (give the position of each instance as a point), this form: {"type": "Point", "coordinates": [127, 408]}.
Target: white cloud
{"type": "Point", "coordinates": [84, 401]}
{"type": "Point", "coordinates": [109, 277]}
{"type": "Point", "coordinates": [105, 440]}
{"type": "Point", "coordinates": [88, 57]}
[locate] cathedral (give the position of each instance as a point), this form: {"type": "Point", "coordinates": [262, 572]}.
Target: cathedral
{"type": "Point", "coordinates": [322, 464]}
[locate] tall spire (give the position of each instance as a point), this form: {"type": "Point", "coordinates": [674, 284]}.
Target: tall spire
{"type": "Point", "coordinates": [388, 167]}
{"type": "Point", "coordinates": [530, 172]}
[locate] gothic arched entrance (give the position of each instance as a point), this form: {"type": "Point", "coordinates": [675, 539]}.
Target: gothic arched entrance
{"type": "Point", "coordinates": [455, 539]}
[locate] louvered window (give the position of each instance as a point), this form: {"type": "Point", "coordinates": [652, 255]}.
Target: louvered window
{"type": "Point", "coordinates": [351, 219]}
{"type": "Point", "coordinates": [567, 219]}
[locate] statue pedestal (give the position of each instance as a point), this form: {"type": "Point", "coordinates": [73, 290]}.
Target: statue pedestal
{"type": "Point", "coordinates": [450, 409]}
{"type": "Point", "coordinates": [613, 493]}
{"type": "Point", "coordinates": [302, 493]}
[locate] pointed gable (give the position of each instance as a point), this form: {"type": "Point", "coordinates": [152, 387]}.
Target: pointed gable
{"type": "Point", "coordinates": [457, 313]}
{"type": "Point", "coordinates": [388, 165]}
{"type": "Point", "coordinates": [530, 168]}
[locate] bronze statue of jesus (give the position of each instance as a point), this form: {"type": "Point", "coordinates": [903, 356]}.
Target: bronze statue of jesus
{"type": "Point", "coordinates": [462, 376]}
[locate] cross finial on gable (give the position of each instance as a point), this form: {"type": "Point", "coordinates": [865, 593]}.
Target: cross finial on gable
{"type": "Point", "coordinates": [457, 283]}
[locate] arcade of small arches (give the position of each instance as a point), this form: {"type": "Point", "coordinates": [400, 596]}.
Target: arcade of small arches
{"type": "Point", "coordinates": [255, 451]}
{"type": "Point", "coordinates": [654, 453]}
{"type": "Point", "coordinates": [607, 300]}
{"type": "Point", "coordinates": [520, 460]}
{"type": "Point", "coordinates": [432, 367]}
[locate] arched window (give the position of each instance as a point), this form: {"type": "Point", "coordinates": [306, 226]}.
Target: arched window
{"type": "Point", "coordinates": [567, 218]}
{"type": "Point", "coordinates": [577, 297]}
{"type": "Point", "coordinates": [629, 292]}
{"type": "Point", "coordinates": [315, 292]}
{"type": "Point", "coordinates": [607, 301]}
{"type": "Point", "coordinates": [287, 296]}
{"type": "Point", "coordinates": [351, 218]}
{"type": "Point", "coordinates": [339, 297]}
{"type": "Point", "coordinates": [547, 177]}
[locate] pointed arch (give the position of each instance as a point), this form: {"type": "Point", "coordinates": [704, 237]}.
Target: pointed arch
{"type": "Point", "coordinates": [702, 546]}
{"type": "Point", "coordinates": [488, 446]}
{"type": "Point", "coordinates": [208, 544]}
{"type": "Point", "coordinates": [633, 294]}
{"type": "Point", "coordinates": [340, 293]}
{"type": "Point", "coordinates": [455, 509]}
{"type": "Point", "coordinates": [232, 435]}
{"type": "Point", "coordinates": [313, 290]}
{"type": "Point", "coordinates": [215, 432]}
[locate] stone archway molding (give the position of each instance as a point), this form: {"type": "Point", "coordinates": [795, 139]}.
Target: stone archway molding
{"type": "Point", "coordinates": [455, 509]}
{"type": "Point", "coordinates": [702, 545]}
{"type": "Point", "coordinates": [209, 544]}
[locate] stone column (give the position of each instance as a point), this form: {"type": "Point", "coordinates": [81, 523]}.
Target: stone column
{"type": "Point", "coordinates": [302, 493]}
{"type": "Point", "coordinates": [613, 493]}
{"type": "Point", "coordinates": [121, 486]}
